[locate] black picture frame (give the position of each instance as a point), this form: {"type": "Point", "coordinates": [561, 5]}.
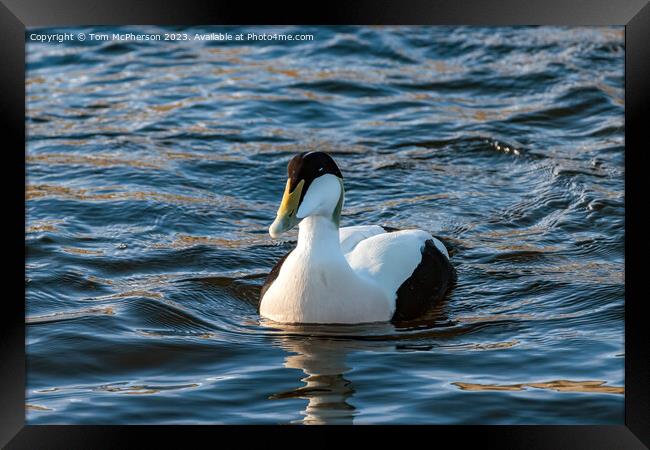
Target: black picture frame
{"type": "Point", "coordinates": [17, 15]}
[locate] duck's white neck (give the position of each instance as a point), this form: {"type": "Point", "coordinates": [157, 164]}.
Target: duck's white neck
{"type": "Point", "coordinates": [319, 235]}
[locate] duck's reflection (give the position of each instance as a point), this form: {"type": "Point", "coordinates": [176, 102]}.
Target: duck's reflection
{"type": "Point", "coordinates": [326, 389]}
{"type": "Point", "coordinates": [321, 352]}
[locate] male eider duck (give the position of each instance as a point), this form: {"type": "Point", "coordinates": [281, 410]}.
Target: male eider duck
{"type": "Point", "coordinates": [348, 275]}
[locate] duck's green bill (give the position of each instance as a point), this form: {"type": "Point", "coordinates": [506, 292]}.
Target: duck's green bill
{"type": "Point", "coordinates": [286, 218]}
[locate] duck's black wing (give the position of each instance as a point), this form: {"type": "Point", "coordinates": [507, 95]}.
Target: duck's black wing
{"type": "Point", "coordinates": [428, 284]}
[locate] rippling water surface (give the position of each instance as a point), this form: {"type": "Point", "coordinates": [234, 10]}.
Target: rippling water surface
{"type": "Point", "coordinates": [155, 168]}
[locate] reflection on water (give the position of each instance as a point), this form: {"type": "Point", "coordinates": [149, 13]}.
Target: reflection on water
{"type": "Point", "coordinates": [155, 168]}
{"type": "Point", "coordinates": [557, 385]}
{"type": "Point", "coordinates": [325, 388]}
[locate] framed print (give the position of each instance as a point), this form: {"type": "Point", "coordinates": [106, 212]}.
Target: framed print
{"type": "Point", "coordinates": [413, 214]}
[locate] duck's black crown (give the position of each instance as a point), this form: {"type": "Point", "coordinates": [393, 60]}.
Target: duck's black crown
{"type": "Point", "coordinates": [308, 166]}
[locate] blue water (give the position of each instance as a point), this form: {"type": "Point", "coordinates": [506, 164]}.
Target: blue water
{"type": "Point", "coordinates": [155, 168]}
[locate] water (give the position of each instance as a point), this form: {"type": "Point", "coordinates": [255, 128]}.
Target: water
{"type": "Point", "coordinates": [155, 169]}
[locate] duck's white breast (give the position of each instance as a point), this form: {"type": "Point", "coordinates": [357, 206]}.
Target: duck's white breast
{"type": "Point", "coordinates": [324, 291]}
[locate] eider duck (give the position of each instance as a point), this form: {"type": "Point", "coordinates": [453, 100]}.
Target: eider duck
{"type": "Point", "coordinates": [349, 275]}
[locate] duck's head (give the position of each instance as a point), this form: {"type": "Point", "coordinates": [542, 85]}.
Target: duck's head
{"type": "Point", "coordinates": [314, 188]}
